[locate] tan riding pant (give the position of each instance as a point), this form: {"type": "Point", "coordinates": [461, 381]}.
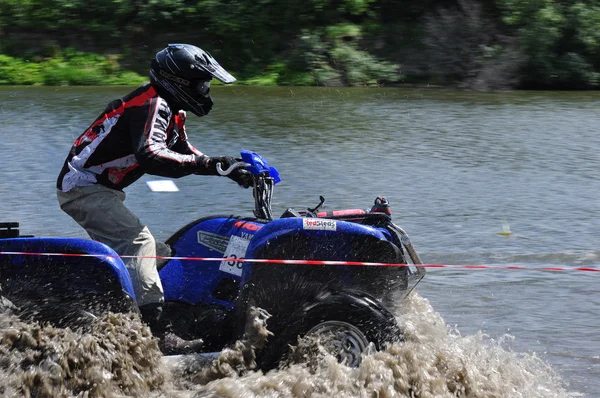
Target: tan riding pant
{"type": "Point", "coordinates": [102, 213]}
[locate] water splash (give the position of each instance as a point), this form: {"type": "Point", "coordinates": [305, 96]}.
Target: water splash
{"type": "Point", "coordinates": [232, 362]}
{"type": "Point", "coordinates": [434, 361]}
{"type": "Point", "coordinates": [119, 358]}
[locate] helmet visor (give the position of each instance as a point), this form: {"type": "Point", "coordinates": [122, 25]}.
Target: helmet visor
{"type": "Point", "coordinates": [203, 87]}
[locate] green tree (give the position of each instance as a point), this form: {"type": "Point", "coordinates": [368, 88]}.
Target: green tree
{"type": "Point", "coordinates": [558, 38]}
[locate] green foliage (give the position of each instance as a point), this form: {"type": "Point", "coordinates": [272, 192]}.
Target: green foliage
{"type": "Point", "coordinates": [295, 78]}
{"type": "Point", "coordinates": [332, 57]}
{"type": "Point", "coordinates": [356, 7]}
{"type": "Point", "coordinates": [343, 31]}
{"type": "Point", "coordinates": [99, 16]}
{"type": "Point", "coordinates": [573, 70]}
{"type": "Point", "coordinates": [264, 79]}
{"type": "Point", "coordinates": [279, 74]}
{"type": "Point", "coordinates": [360, 68]}
{"type": "Point", "coordinates": [586, 20]}
{"type": "Point", "coordinates": [57, 73]}
{"type": "Point", "coordinates": [71, 68]}
{"type": "Point", "coordinates": [125, 78]}
{"type": "Point", "coordinates": [546, 43]}
{"type": "Point", "coordinates": [560, 39]}
{"type": "Point", "coordinates": [465, 48]}
{"type": "Point", "coordinates": [15, 71]}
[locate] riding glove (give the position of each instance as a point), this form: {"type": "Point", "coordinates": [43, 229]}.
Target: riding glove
{"type": "Point", "coordinates": [208, 166]}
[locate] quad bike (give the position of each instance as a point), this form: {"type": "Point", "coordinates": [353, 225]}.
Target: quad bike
{"type": "Point", "coordinates": [67, 281]}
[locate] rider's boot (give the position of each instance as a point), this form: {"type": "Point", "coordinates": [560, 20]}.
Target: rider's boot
{"type": "Point", "coordinates": [169, 342]}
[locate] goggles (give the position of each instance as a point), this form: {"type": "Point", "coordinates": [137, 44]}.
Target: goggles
{"type": "Point", "coordinates": [203, 87]}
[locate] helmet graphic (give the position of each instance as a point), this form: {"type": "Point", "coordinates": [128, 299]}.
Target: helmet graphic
{"type": "Point", "coordinates": [181, 73]}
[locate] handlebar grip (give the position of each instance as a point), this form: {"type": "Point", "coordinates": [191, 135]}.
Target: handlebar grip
{"type": "Point", "coordinates": [230, 168]}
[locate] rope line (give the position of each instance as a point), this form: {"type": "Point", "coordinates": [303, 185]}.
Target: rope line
{"type": "Point", "coordinates": [309, 262]}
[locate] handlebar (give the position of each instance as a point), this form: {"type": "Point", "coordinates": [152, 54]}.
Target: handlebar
{"type": "Point", "coordinates": [265, 177]}
{"type": "Point", "coordinates": [230, 168]}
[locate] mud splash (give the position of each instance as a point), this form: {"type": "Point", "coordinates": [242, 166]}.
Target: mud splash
{"type": "Point", "coordinates": [434, 361]}
{"type": "Point", "coordinates": [191, 371]}
{"type": "Point", "coordinates": [119, 358]}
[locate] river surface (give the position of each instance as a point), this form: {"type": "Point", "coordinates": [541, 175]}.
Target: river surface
{"type": "Point", "coordinates": [455, 166]}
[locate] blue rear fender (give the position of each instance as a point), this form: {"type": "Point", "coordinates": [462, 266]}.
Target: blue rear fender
{"type": "Point", "coordinates": [103, 270]}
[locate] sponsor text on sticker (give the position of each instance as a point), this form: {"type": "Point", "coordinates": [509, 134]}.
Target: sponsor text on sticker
{"type": "Point", "coordinates": [319, 224]}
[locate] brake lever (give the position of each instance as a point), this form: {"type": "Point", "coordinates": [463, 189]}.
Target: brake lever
{"type": "Point", "coordinates": [313, 212]}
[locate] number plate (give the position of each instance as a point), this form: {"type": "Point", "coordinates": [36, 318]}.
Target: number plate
{"type": "Point", "coordinates": [235, 249]}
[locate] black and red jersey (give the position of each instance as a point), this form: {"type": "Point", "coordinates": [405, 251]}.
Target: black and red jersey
{"type": "Point", "coordinates": [136, 134]}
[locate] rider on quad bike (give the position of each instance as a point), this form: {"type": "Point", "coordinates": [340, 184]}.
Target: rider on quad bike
{"type": "Point", "coordinates": [143, 132]}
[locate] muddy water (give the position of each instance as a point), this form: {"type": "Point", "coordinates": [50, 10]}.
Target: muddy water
{"type": "Point", "coordinates": [119, 358]}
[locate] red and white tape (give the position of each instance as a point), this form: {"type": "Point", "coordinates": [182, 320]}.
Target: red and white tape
{"type": "Point", "coordinates": [313, 262]}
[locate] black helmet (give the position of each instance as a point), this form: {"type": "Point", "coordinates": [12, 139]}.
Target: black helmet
{"type": "Point", "coordinates": [181, 73]}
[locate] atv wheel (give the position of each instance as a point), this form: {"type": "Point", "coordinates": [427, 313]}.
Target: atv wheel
{"type": "Point", "coordinates": [344, 340]}
{"type": "Point", "coordinates": [348, 322]}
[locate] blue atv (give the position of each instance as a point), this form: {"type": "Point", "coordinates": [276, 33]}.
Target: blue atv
{"type": "Point", "coordinates": [68, 281]}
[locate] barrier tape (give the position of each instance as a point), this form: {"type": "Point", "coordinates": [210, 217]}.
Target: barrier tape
{"type": "Point", "coordinates": [313, 262]}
